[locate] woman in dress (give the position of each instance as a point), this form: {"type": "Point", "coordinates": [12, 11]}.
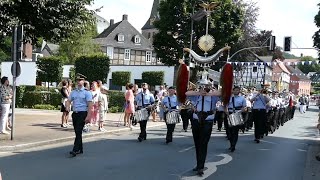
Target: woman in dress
{"type": "Point", "coordinates": [65, 94]}
{"type": "Point", "coordinates": [95, 107]}
{"type": "Point", "coordinates": [129, 108]}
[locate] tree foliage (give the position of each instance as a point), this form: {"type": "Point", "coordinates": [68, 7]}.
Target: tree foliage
{"type": "Point", "coordinates": [80, 44]}
{"type": "Point", "coordinates": [306, 68]}
{"type": "Point", "coordinates": [5, 49]}
{"type": "Point", "coordinates": [50, 69]}
{"type": "Point", "coordinates": [225, 27]}
{"type": "Point", "coordinates": [316, 36]}
{"type": "Point", "coordinates": [121, 78]}
{"type": "Point", "coordinates": [94, 67]}
{"type": "Point", "coordinates": [153, 78]}
{"type": "Point", "coordinates": [53, 20]}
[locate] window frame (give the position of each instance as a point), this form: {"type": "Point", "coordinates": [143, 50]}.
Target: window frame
{"type": "Point", "coordinates": [149, 54]}
{"type": "Point", "coordinates": [127, 52]}
{"type": "Point", "coordinates": [137, 38]}
{"type": "Point", "coordinates": [120, 39]}
{"type": "Point", "coordinates": [112, 52]}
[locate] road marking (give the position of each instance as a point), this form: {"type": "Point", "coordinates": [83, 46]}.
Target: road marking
{"type": "Point", "coordinates": [186, 149]}
{"type": "Point", "coordinates": [212, 168]}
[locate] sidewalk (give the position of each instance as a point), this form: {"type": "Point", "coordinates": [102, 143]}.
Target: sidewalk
{"type": "Point", "coordinates": [42, 127]}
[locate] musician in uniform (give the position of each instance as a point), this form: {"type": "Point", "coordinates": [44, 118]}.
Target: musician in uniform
{"type": "Point", "coordinates": [144, 99]}
{"type": "Point", "coordinates": [82, 103]}
{"type": "Point", "coordinates": [219, 116]}
{"type": "Point", "coordinates": [236, 103]}
{"type": "Point", "coordinates": [202, 122]}
{"type": "Point", "coordinates": [170, 104]}
{"type": "Point", "coordinates": [186, 109]}
{"type": "Point", "coordinates": [259, 114]}
{"type": "Point", "coordinates": [274, 111]}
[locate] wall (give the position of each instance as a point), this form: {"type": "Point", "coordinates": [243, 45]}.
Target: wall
{"type": "Point", "coordinates": [136, 72]}
{"type": "Point", "coordinates": [28, 72]}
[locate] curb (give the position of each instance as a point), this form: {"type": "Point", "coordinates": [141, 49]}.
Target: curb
{"type": "Point", "coordinates": [66, 139]}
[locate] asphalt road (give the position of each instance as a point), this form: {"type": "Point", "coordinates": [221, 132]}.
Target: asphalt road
{"type": "Point", "coordinates": [281, 156]}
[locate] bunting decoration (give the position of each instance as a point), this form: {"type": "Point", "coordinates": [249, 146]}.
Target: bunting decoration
{"type": "Point", "coordinates": [275, 63]}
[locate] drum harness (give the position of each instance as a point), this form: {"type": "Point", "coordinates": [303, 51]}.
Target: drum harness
{"type": "Point", "coordinates": [203, 115]}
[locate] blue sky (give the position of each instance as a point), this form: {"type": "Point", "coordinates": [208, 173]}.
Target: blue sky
{"type": "Point", "coordinates": [284, 17]}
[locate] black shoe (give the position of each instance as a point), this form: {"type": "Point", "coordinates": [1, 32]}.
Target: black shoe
{"type": "Point", "coordinates": [185, 130]}
{"type": "Point", "coordinates": [140, 139]}
{"type": "Point", "coordinates": [195, 169]}
{"type": "Point", "coordinates": [232, 149]}
{"type": "Point", "coordinates": [257, 140]}
{"type": "Point", "coordinates": [219, 130]}
{"type": "Point", "coordinates": [168, 141]}
{"type": "Point", "coordinates": [200, 172]}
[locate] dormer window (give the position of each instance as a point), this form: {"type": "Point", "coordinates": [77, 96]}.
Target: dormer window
{"type": "Point", "coordinates": [137, 39]}
{"type": "Point", "coordinates": [120, 38]}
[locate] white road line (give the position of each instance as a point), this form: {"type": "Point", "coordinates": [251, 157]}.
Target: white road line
{"type": "Point", "coordinates": [212, 168]}
{"type": "Point", "coordinates": [186, 149]}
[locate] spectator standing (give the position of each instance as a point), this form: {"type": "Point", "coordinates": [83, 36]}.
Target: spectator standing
{"type": "Point", "coordinates": [129, 107]}
{"type": "Point", "coordinates": [6, 99]}
{"type": "Point", "coordinates": [103, 107]}
{"type": "Point", "coordinates": [65, 94]}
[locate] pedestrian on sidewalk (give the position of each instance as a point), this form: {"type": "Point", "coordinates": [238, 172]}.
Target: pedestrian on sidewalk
{"type": "Point", "coordinates": [129, 107]}
{"type": "Point", "coordinates": [82, 104]}
{"type": "Point", "coordinates": [103, 107]}
{"type": "Point", "coordinates": [95, 108]}
{"type": "Point", "coordinates": [65, 94]}
{"type": "Point", "coordinates": [6, 99]}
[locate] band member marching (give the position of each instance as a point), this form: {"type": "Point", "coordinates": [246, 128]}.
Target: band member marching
{"type": "Point", "coordinates": [259, 114]}
{"type": "Point", "coordinates": [237, 103]}
{"type": "Point", "coordinates": [144, 101]}
{"type": "Point", "coordinates": [202, 124]}
{"type": "Point", "coordinates": [170, 105]}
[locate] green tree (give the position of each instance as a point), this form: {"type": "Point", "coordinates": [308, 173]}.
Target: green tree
{"type": "Point", "coordinates": [121, 78]}
{"type": "Point", "coordinates": [50, 69]}
{"type": "Point", "coordinates": [80, 44]}
{"type": "Point", "coordinates": [225, 27]}
{"type": "Point", "coordinates": [53, 20]}
{"type": "Point", "coordinates": [153, 78]}
{"type": "Point", "coordinates": [94, 67]}
{"type": "Point", "coordinates": [5, 49]}
{"type": "Point", "coordinates": [316, 36]}
{"type": "Point", "coordinates": [306, 68]}
{"type": "Point", "coordinates": [249, 36]}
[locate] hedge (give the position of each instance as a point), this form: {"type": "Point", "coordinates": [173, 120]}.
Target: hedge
{"type": "Point", "coordinates": [30, 99]}
{"type": "Point", "coordinates": [116, 99]}
{"type": "Point", "coordinates": [94, 67]}
{"type": "Point", "coordinates": [153, 78]}
{"type": "Point", "coordinates": [121, 78]}
{"type": "Point", "coordinates": [44, 106]}
{"type": "Point", "coordinates": [21, 90]}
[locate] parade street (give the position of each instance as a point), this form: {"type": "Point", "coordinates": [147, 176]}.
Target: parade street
{"type": "Point", "coordinates": [280, 156]}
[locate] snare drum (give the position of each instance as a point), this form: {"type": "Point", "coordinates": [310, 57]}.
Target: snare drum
{"type": "Point", "coordinates": [235, 119]}
{"type": "Point", "coordinates": [173, 117]}
{"type": "Point", "coordinates": [141, 115]}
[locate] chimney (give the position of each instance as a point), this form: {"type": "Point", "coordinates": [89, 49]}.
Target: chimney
{"type": "Point", "coordinates": [111, 22]}
{"type": "Point", "coordinates": [125, 17]}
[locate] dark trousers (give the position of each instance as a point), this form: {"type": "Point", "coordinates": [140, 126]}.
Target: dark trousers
{"type": "Point", "coordinates": [186, 115]}
{"type": "Point", "coordinates": [201, 135]}
{"type": "Point", "coordinates": [78, 120]}
{"type": "Point", "coordinates": [219, 118]}
{"type": "Point", "coordinates": [226, 126]}
{"type": "Point", "coordinates": [143, 127]}
{"type": "Point", "coordinates": [232, 132]}
{"type": "Point", "coordinates": [293, 109]}
{"type": "Point", "coordinates": [249, 121]}
{"type": "Point", "coordinates": [259, 118]}
{"type": "Point", "coordinates": [170, 129]}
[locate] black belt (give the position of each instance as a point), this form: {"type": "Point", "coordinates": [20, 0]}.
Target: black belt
{"type": "Point", "coordinates": [207, 112]}
{"type": "Point", "coordinates": [259, 109]}
{"type": "Point", "coordinates": [79, 112]}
